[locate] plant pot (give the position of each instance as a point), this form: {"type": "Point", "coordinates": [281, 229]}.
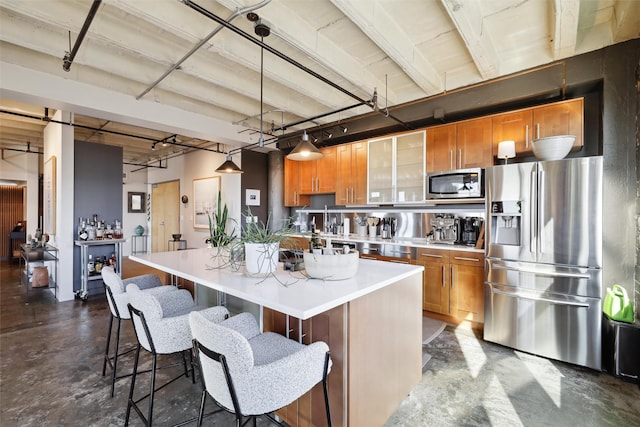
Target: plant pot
{"type": "Point", "coordinates": [261, 259]}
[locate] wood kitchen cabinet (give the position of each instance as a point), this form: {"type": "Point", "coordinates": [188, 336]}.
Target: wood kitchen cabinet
{"type": "Point", "coordinates": [441, 144]}
{"type": "Point", "coordinates": [351, 167]}
{"type": "Point", "coordinates": [523, 126]}
{"type": "Point", "coordinates": [319, 176]}
{"type": "Point", "coordinates": [453, 283]}
{"type": "Point", "coordinates": [292, 195]}
{"type": "Point", "coordinates": [461, 145]}
{"type": "Point", "coordinates": [467, 286]}
{"type": "Point", "coordinates": [436, 280]}
{"type": "Point", "coordinates": [560, 118]}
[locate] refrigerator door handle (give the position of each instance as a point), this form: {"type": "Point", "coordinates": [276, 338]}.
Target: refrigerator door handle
{"type": "Point", "coordinates": [549, 300]}
{"type": "Point", "coordinates": [540, 215]}
{"type": "Point", "coordinates": [541, 273]}
{"type": "Point", "coordinates": [533, 231]}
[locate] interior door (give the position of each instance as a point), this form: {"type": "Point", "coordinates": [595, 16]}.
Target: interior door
{"type": "Point", "coordinates": [165, 214]}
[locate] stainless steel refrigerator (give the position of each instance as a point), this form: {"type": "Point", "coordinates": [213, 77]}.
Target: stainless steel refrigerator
{"type": "Point", "coordinates": [543, 284]}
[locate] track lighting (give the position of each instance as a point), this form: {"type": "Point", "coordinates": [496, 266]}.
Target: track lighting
{"type": "Point", "coordinates": [305, 150]}
{"type": "Point", "coordinates": [327, 133]}
{"type": "Point", "coordinates": [229, 167]}
{"type": "Point", "coordinates": [343, 128]}
{"type": "Point", "coordinates": [153, 146]}
{"type": "Point", "coordinates": [315, 139]}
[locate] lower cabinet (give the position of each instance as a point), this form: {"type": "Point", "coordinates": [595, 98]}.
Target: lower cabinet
{"type": "Point", "coordinates": [453, 283]}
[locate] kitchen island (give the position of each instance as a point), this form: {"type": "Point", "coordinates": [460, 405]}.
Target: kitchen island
{"type": "Point", "coordinates": [371, 322]}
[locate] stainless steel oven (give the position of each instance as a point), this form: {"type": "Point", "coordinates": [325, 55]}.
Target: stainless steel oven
{"type": "Point", "coordinates": [456, 184]}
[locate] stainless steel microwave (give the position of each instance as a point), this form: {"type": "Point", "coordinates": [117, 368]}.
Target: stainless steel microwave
{"type": "Point", "coordinates": [456, 184]}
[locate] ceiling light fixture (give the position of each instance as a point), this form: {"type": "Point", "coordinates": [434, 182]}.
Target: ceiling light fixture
{"type": "Point", "coordinates": [343, 128]}
{"type": "Point", "coordinates": [262, 29]}
{"type": "Point", "coordinates": [153, 146]}
{"type": "Point", "coordinates": [229, 167]}
{"type": "Point", "coordinates": [305, 150]}
{"type": "Point", "coordinates": [327, 133]}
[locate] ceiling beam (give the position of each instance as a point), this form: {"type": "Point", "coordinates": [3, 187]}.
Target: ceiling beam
{"type": "Point", "coordinates": [626, 22]}
{"type": "Point", "coordinates": [388, 34]}
{"type": "Point", "coordinates": [468, 19]}
{"type": "Point", "coordinates": [565, 19]}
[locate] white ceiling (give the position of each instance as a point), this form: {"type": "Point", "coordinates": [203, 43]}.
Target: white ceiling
{"type": "Point", "coordinates": [404, 49]}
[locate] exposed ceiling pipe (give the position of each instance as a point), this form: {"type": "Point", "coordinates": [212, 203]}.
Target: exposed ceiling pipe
{"type": "Point", "coordinates": [146, 138]}
{"type": "Point", "coordinates": [286, 58]}
{"type": "Point", "coordinates": [68, 57]}
{"type": "Point", "coordinates": [193, 50]}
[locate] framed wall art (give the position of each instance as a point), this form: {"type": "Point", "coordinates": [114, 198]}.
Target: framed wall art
{"type": "Point", "coordinates": [136, 202]}
{"type": "Point", "coordinates": [205, 200]}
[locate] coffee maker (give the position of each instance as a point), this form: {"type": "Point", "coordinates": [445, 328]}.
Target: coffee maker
{"type": "Point", "coordinates": [445, 228]}
{"type": "Point", "coordinates": [470, 230]}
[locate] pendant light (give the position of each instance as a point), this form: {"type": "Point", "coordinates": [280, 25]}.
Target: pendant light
{"type": "Point", "coordinates": [305, 150]}
{"type": "Point", "coordinates": [229, 167]}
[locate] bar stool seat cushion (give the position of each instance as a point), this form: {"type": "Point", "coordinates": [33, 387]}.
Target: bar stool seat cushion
{"type": "Point", "coordinates": [167, 318]}
{"type": "Point", "coordinates": [268, 370]}
{"type": "Point", "coordinates": [147, 282]}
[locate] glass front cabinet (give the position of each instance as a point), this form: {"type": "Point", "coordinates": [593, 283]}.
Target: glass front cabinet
{"type": "Point", "coordinates": [396, 169]}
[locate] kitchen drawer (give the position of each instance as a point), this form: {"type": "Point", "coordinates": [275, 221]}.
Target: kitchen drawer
{"type": "Point", "coordinates": [433, 255]}
{"type": "Point", "coordinates": [467, 258]}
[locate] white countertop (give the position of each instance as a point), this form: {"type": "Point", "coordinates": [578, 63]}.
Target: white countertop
{"type": "Point", "coordinates": [417, 242]}
{"type": "Point", "coordinates": [288, 292]}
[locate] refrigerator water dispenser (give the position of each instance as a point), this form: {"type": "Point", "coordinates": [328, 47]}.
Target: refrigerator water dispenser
{"type": "Point", "coordinates": [506, 221]}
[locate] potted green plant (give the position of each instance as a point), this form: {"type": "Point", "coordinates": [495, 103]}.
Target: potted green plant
{"type": "Point", "coordinates": [218, 236]}
{"type": "Point", "coordinates": [262, 244]}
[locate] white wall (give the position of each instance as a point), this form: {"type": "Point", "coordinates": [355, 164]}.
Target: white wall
{"type": "Point", "coordinates": [24, 167]}
{"type": "Point", "coordinates": [199, 164]}
{"type": "Point", "coordinates": [58, 141]}
{"type": "Point", "coordinates": [134, 182]}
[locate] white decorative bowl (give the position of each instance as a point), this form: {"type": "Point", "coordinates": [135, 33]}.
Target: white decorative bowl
{"type": "Point", "coordinates": [331, 267]}
{"type": "Point", "coordinates": [553, 147]}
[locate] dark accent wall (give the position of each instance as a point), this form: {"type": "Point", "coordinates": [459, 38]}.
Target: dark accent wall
{"type": "Point", "coordinates": [256, 177]}
{"type": "Point", "coordinates": [97, 190]}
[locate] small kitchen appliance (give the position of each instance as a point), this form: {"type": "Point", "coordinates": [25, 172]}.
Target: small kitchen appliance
{"type": "Point", "coordinates": [445, 228]}
{"type": "Point", "coordinates": [456, 184]}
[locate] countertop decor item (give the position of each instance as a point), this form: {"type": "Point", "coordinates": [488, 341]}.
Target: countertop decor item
{"type": "Point", "coordinates": [176, 236]}
{"type": "Point", "coordinates": [553, 147]}
{"type": "Point", "coordinates": [338, 266]}
{"type": "Point", "coordinates": [139, 230]}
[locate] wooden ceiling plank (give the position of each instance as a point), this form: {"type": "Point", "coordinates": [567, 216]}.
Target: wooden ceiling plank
{"type": "Point", "coordinates": [468, 19]}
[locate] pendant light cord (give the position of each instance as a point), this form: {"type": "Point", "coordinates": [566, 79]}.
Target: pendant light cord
{"type": "Point", "coordinates": [261, 140]}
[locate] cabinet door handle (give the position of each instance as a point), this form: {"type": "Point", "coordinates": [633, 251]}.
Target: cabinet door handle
{"type": "Point", "coordinates": [452, 275]}
{"type": "Point", "coordinates": [353, 195]}
{"type": "Point", "coordinates": [450, 159]}
{"type": "Point", "coordinates": [460, 158]}
{"type": "Point", "coordinates": [431, 255]}
{"type": "Point", "coordinates": [526, 136]}
{"type": "Point", "coordinates": [367, 257]}
{"type": "Point", "coordinates": [538, 130]}
{"type": "Point", "coordinates": [399, 261]}
{"type": "Point", "coordinates": [444, 276]}
{"type": "Point", "coordinates": [466, 259]}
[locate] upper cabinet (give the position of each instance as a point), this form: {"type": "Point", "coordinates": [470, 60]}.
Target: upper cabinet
{"type": "Point", "coordinates": [319, 176]}
{"type": "Point", "coordinates": [460, 145]}
{"type": "Point", "coordinates": [351, 167]}
{"type": "Point", "coordinates": [523, 126]}
{"type": "Point", "coordinates": [560, 118]}
{"type": "Point", "coordinates": [292, 195]}
{"type": "Point", "coordinates": [396, 169]}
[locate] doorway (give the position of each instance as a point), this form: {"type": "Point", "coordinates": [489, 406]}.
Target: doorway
{"type": "Point", "coordinates": [165, 214]}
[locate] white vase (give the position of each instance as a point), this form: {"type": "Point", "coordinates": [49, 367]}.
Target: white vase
{"type": "Point", "coordinates": [261, 259]}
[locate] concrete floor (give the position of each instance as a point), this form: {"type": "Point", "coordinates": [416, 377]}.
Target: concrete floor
{"type": "Point", "coordinates": [51, 361]}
